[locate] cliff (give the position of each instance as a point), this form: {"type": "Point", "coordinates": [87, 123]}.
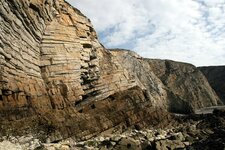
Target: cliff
{"type": "Point", "coordinates": [58, 81]}
{"type": "Point", "coordinates": [187, 86]}
{"type": "Point", "coordinates": [216, 78]}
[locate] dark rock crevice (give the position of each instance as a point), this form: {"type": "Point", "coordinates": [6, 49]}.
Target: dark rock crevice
{"type": "Point", "coordinates": [216, 77]}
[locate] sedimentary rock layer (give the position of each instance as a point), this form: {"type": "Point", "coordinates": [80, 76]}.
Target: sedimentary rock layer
{"type": "Point", "coordinates": [182, 85]}
{"type": "Point", "coordinates": [58, 78]}
{"type": "Point", "coordinates": [187, 86]}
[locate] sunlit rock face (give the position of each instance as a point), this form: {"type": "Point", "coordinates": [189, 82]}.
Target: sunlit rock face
{"type": "Point", "coordinates": [57, 78]}
{"type": "Point", "coordinates": [182, 85]}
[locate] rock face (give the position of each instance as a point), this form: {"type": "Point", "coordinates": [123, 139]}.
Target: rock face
{"type": "Point", "coordinates": [58, 78]}
{"type": "Point", "coordinates": [216, 78]}
{"type": "Point", "coordinates": [187, 87]}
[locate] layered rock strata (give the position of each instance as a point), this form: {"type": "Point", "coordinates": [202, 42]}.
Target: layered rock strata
{"type": "Point", "coordinates": [182, 85]}
{"type": "Point", "coordinates": [197, 132]}
{"type": "Point", "coordinates": [187, 86]}
{"type": "Point", "coordinates": [55, 74]}
{"type": "Point", "coordinates": [58, 78]}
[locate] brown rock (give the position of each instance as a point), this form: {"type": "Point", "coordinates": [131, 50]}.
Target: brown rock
{"type": "Point", "coordinates": [57, 78]}
{"type": "Point", "coordinates": [128, 144]}
{"type": "Point", "coordinates": [187, 88]}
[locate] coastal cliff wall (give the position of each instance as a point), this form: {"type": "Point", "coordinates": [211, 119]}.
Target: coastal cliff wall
{"type": "Point", "coordinates": [57, 77]}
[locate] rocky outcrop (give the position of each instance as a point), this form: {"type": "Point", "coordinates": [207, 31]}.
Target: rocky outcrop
{"type": "Point", "coordinates": [182, 85]}
{"type": "Point", "coordinates": [197, 132]}
{"type": "Point", "coordinates": [216, 78]}
{"type": "Point", "coordinates": [58, 78]}
{"type": "Point", "coordinates": [141, 72]}
{"type": "Point", "coordinates": [58, 81]}
{"type": "Point", "coordinates": [55, 75]}
{"type": "Point", "coordinates": [187, 87]}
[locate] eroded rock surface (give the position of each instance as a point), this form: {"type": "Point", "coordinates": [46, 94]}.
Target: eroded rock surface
{"type": "Point", "coordinates": [195, 132]}
{"type": "Point", "coordinates": [182, 87]}
{"type": "Point", "coordinates": [55, 75]}
{"type": "Point", "coordinates": [58, 81]}
{"type": "Point", "coordinates": [186, 85]}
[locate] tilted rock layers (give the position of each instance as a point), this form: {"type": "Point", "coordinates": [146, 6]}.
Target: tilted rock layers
{"type": "Point", "coordinates": [186, 85]}
{"type": "Point", "coordinates": [55, 74]}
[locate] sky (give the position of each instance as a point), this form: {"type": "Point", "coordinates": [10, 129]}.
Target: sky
{"type": "Point", "coordinates": [190, 31]}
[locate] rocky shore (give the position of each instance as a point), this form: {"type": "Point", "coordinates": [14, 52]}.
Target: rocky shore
{"type": "Point", "coordinates": [61, 89]}
{"type": "Point", "coordinates": [189, 132]}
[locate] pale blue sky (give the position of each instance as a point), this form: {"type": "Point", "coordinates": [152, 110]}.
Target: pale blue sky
{"type": "Point", "coordinates": [184, 30]}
